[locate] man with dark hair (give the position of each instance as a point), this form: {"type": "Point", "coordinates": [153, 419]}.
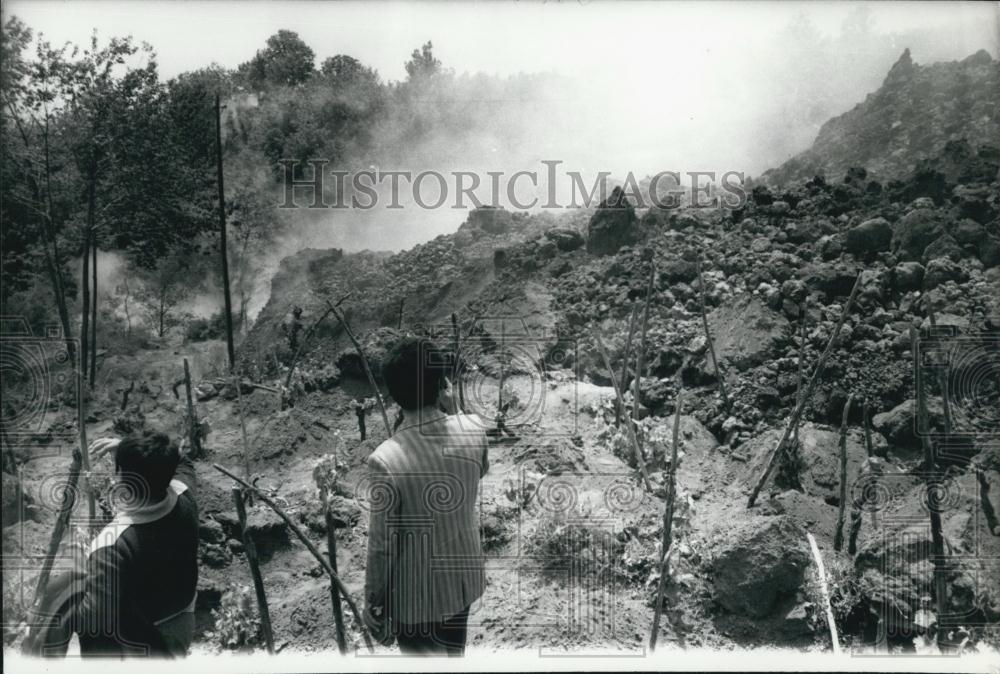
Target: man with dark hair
{"type": "Point", "coordinates": [142, 569]}
{"type": "Point", "coordinates": [425, 563]}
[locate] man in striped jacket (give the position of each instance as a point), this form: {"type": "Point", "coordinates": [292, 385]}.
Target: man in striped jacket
{"type": "Point", "coordinates": [425, 564]}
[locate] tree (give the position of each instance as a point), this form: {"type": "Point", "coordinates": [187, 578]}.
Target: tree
{"type": "Point", "coordinates": [346, 71]}
{"type": "Point", "coordinates": [32, 101]}
{"type": "Point", "coordinates": [422, 64]}
{"type": "Point", "coordinates": [249, 236]}
{"type": "Point", "coordinates": [161, 291]}
{"type": "Point", "coordinates": [286, 61]}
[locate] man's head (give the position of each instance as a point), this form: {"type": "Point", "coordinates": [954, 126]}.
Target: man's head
{"type": "Point", "coordinates": [414, 371]}
{"type": "Point", "coordinates": [146, 462]}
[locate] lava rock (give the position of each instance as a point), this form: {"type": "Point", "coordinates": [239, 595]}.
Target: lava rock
{"type": "Point", "coordinates": [762, 562]}
{"type": "Point", "coordinates": [943, 246]}
{"type": "Point", "coordinates": [941, 270]}
{"type": "Point", "coordinates": [269, 532]}
{"type": "Point", "coordinates": [565, 239]}
{"type": "Point", "coordinates": [745, 331]}
{"type": "Point", "coordinates": [612, 225]}
{"type": "Point", "coordinates": [870, 237]}
{"type": "Point", "coordinates": [899, 425]}
{"type": "Point", "coordinates": [907, 276]}
{"type": "Point", "coordinates": [211, 531]}
{"type": "Point", "coordinates": [914, 232]}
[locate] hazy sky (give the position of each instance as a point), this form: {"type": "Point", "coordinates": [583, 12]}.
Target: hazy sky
{"type": "Point", "coordinates": [680, 82]}
{"type": "Point", "coordinates": [659, 86]}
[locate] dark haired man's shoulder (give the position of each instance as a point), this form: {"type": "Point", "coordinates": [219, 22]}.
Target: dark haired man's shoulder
{"type": "Point", "coordinates": [384, 453]}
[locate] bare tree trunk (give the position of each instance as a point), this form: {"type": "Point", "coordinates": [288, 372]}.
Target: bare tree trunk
{"type": "Point", "coordinates": [93, 311]}
{"type": "Point", "coordinates": [52, 257]}
{"type": "Point", "coordinates": [85, 299]}
{"type": "Point", "coordinates": [231, 350]}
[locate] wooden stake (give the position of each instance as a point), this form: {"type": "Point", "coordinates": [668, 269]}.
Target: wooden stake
{"type": "Point", "coordinates": [243, 425]}
{"type": "Point", "coordinates": [931, 487]}
{"type": "Point", "coordinates": [331, 548]}
{"type": "Point", "coordinates": [457, 372]}
{"type": "Point", "coordinates": [84, 446]}
{"type": "Point", "coordinates": [641, 354]}
{"type": "Point", "coordinates": [193, 436]}
{"type": "Point", "coordinates": [364, 364]}
{"type": "Point", "coordinates": [711, 345]}
{"type": "Point", "coordinates": [66, 505]}
{"type": "Point", "coordinates": [632, 323]}
{"type": "Point", "coordinates": [637, 451]}
{"type": "Point", "coordinates": [309, 545]}
{"type": "Point", "coordinates": [821, 572]}
{"type": "Point", "coordinates": [801, 375]}
{"type": "Point", "coordinates": [93, 314]}
{"type": "Point", "coordinates": [668, 523]}
{"type": "Point", "coordinates": [809, 389]}
{"type": "Point", "coordinates": [230, 348]}
{"type": "Point", "coordinates": [838, 539]}
{"type": "Point", "coordinates": [500, 410]}
{"type": "Point", "coordinates": [258, 582]}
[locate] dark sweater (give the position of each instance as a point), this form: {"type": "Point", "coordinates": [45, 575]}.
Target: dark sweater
{"type": "Point", "coordinates": [142, 570]}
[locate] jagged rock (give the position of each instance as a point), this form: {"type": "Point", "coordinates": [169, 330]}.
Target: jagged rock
{"type": "Point", "coordinates": [914, 232]}
{"type": "Point", "coordinates": [612, 225]}
{"type": "Point", "coordinates": [969, 232]}
{"type": "Point", "coordinates": [899, 425]}
{"type": "Point", "coordinates": [975, 202]}
{"type": "Point", "coordinates": [491, 219]}
{"type": "Point", "coordinates": [214, 555]}
{"type": "Point", "coordinates": [870, 237]}
{"type": "Point", "coordinates": [211, 531]}
{"type": "Point", "coordinates": [943, 246]}
{"type": "Point", "coordinates": [907, 276]}
{"type": "Point", "coordinates": [744, 331]}
{"type": "Point", "coordinates": [819, 450]}
{"type": "Point", "coordinates": [829, 247]}
{"type": "Point", "coordinates": [762, 562]}
{"type": "Point", "coordinates": [566, 239]}
{"type": "Point", "coordinates": [269, 532]}
{"type": "Point", "coordinates": [989, 251]}
{"type": "Point", "coordinates": [346, 514]}
{"type": "Point", "coordinates": [941, 270]}
{"type": "Point", "coordinates": [678, 271]}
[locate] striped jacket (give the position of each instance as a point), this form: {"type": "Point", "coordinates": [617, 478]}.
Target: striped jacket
{"type": "Point", "coordinates": [425, 561]}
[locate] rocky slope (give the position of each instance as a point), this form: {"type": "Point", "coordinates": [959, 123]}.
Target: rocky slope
{"type": "Point", "coordinates": [915, 113]}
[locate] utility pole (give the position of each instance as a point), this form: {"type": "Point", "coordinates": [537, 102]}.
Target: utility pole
{"type": "Point", "coordinates": [222, 235]}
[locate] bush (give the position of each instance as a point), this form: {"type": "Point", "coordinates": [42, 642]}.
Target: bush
{"type": "Point", "coordinates": [237, 625]}
{"type": "Point", "coordinates": [575, 540]}
{"type": "Point", "coordinates": [213, 327]}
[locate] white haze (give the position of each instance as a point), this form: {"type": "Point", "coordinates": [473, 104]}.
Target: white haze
{"type": "Point", "coordinates": [648, 87]}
